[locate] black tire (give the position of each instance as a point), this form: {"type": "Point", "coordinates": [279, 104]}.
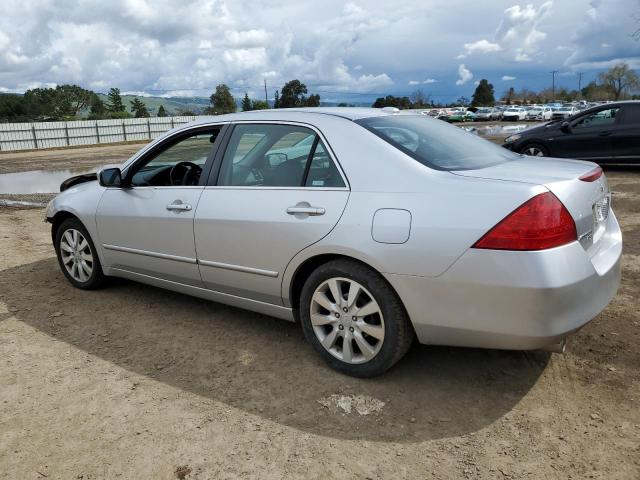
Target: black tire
{"type": "Point", "coordinates": [398, 331]}
{"type": "Point", "coordinates": [96, 279]}
{"type": "Point", "coordinates": [541, 148]}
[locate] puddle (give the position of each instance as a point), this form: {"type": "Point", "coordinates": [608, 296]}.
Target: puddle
{"type": "Point", "coordinates": [496, 130]}
{"type": "Point", "coordinates": [37, 181]}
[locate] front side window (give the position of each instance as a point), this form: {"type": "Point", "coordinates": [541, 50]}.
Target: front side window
{"type": "Point", "coordinates": [179, 163]}
{"type": "Point", "coordinates": [263, 155]}
{"type": "Point", "coordinates": [436, 144]}
{"type": "Point", "coordinates": [601, 118]}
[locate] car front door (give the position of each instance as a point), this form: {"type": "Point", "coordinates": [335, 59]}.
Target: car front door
{"type": "Point", "coordinates": [588, 137]}
{"type": "Point", "coordinates": [276, 190]}
{"type": "Point", "coordinates": [626, 135]}
{"type": "Point", "coordinates": [146, 226]}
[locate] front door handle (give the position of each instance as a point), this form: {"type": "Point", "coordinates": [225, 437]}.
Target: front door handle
{"type": "Point", "coordinates": [313, 211]}
{"type": "Point", "coordinates": [182, 207]}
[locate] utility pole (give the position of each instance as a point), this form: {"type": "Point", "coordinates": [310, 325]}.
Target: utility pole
{"type": "Point", "coordinates": [266, 99]}
{"type": "Point", "coordinates": [580, 81]}
{"type": "Point", "coordinates": [553, 84]}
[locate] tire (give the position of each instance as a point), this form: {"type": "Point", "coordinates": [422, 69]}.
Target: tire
{"type": "Point", "coordinates": [77, 255]}
{"type": "Point", "coordinates": [378, 337]}
{"type": "Point", "coordinates": [535, 150]}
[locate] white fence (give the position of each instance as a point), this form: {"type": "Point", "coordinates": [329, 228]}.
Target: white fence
{"type": "Point", "coordinates": [24, 136]}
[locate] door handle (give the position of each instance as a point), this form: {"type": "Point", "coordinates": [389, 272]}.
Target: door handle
{"type": "Point", "coordinates": [312, 211]}
{"type": "Point", "coordinates": [604, 134]}
{"type": "Point", "coordinates": [183, 207]}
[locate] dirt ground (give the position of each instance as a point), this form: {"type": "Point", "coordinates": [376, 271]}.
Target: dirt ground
{"type": "Point", "coordinates": [134, 382]}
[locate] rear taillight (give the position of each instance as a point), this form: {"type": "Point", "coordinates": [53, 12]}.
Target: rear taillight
{"type": "Point", "coordinates": [591, 175]}
{"type": "Point", "coordinates": [541, 222]}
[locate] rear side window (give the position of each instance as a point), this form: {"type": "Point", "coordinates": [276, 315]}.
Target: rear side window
{"type": "Point", "coordinates": [436, 144]}
{"type": "Point", "coordinates": [631, 115]}
{"type": "Point", "coordinates": [273, 155]}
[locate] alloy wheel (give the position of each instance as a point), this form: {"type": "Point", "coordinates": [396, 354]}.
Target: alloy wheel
{"type": "Point", "coordinates": [347, 320]}
{"type": "Point", "coordinates": [76, 254]}
{"type": "Point", "coordinates": [533, 152]}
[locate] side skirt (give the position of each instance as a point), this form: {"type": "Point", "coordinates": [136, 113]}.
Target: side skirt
{"type": "Point", "coordinates": [225, 298]}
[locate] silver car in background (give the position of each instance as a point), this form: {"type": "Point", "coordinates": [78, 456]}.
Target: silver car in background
{"type": "Point", "coordinates": [369, 227]}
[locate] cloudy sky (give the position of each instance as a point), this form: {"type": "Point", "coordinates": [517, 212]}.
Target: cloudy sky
{"type": "Point", "coordinates": [340, 49]}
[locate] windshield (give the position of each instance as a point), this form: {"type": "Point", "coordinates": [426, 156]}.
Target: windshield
{"type": "Point", "coordinates": [436, 144]}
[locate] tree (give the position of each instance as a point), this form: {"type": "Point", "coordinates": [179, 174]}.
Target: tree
{"type": "Point", "coordinates": [139, 108]}
{"type": "Point", "coordinates": [621, 79]}
{"type": "Point", "coordinates": [483, 96]}
{"type": "Point", "coordinates": [391, 101]}
{"type": "Point", "coordinates": [594, 92]}
{"type": "Point", "coordinates": [293, 94]}
{"type": "Point", "coordinates": [419, 99]}
{"type": "Point", "coordinates": [114, 103]}
{"type": "Point", "coordinates": [259, 105]}
{"type": "Point", "coordinates": [161, 111]}
{"type": "Point", "coordinates": [313, 101]}
{"type": "Point", "coordinates": [246, 103]}
{"type": "Point", "coordinates": [509, 95]}
{"type": "Point", "coordinates": [222, 101]}
{"type": "Point", "coordinates": [276, 100]}
{"type": "Point", "coordinates": [62, 102]}
{"type": "Point", "coordinates": [462, 101]}
{"type": "Point", "coordinates": [96, 107]}
{"type": "Point", "coordinates": [186, 112]}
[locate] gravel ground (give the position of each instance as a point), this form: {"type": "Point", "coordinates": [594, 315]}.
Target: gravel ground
{"type": "Point", "coordinates": [136, 382]}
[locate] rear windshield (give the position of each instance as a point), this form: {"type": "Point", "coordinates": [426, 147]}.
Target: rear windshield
{"type": "Point", "coordinates": [436, 144]}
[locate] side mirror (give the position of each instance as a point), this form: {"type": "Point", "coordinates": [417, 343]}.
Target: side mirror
{"type": "Point", "coordinates": [110, 177]}
{"type": "Point", "coordinates": [565, 127]}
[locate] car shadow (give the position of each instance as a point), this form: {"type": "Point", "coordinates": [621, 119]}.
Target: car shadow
{"type": "Point", "coordinates": [263, 365]}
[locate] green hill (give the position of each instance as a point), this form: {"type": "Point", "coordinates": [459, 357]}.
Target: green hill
{"type": "Point", "coordinates": [171, 104]}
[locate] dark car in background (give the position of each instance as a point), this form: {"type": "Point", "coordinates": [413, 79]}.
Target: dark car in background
{"type": "Point", "coordinates": [607, 134]}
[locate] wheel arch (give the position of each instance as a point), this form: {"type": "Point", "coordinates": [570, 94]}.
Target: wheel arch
{"type": "Point", "coordinates": [293, 288]}
{"type": "Point", "coordinates": [57, 220]}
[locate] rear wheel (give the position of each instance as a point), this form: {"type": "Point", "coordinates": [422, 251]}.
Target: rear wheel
{"type": "Point", "coordinates": [77, 255]}
{"type": "Point", "coordinates": [354, 319]}
{"type": "Point", "coordinates": [535, 150]}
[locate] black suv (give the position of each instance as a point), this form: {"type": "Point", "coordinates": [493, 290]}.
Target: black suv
{"type": "Point", "coordinates": [607, 134]}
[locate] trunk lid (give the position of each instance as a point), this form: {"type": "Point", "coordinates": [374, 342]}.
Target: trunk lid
{"type": "Point", "coordinates": [588, 202]}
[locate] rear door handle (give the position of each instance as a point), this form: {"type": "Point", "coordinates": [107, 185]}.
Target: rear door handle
{"type": "Point", "coordinates": [313, 211]}
{"type": "Point", "coordinates": [183, 207]}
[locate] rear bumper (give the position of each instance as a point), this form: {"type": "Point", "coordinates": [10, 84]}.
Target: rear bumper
{"type": "Point", "coordinates": [514, 300]}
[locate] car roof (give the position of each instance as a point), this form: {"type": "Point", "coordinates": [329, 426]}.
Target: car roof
{"type": "Point", "coordinates": [302, 114]}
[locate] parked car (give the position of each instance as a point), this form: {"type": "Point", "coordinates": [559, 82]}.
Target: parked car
{"type": "Point", "coordinates": [539, 113]}
{"type": "Point", "coordinates": [461, 116]}
{"type": "Point", "coordinates": [514, 114]}
{"type": "Point", "coordinates": [564, 112]}
{"type": "Point", "coordinates": [487, 114]}
{"type": "Point", "coordinates": [390, 226]}
{"type": "Point", "coordinates": [604, 134]}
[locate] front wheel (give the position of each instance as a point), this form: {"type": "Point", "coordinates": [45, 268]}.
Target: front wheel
{"type": "Point", "coordinates": [535, 150]}
{"type": "Point", "coordinates": [354, 319]}
{"type": "Point", "coordinates": [77, 255]}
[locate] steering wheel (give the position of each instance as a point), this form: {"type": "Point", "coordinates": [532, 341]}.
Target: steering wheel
{"type": "Point", "coordinates": [184, 173]}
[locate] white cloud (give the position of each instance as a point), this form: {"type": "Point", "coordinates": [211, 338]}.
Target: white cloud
{"type": "Point", "coordinates": [507, 78]}
{"type": "Point", "coordinates": [414, 82]}
{"type": "Point", "coordinates": [429, 80]}
{"type": "Point", "coordinates": [481, 46]}
{"type": "Point", "coordinates": [604, 37]}
{"type": "Point", "coordinates": [464, 73]}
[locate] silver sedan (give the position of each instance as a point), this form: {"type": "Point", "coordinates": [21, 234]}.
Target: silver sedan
{"type": "Point", "coordinates": [369, 227]}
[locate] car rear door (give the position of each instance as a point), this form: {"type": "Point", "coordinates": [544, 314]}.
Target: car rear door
{"type": "Point", "coordinates": [626, 135]}
{"type": "Point", "coordinates": [267, 199]}
{"type": "Point", "coordinates": [147, 227]}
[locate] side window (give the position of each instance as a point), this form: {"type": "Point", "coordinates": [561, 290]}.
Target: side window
{"type": "Point", "coordinates": [631, 115]}
{"type": "Point", "coordinates": [601, 118]}
{"type": "Point", "coordinates": [179, 163]}
{"type": "Point", "coordinates": [271, 155]}
{"type": "Point", "coordinates": [322, 171]}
